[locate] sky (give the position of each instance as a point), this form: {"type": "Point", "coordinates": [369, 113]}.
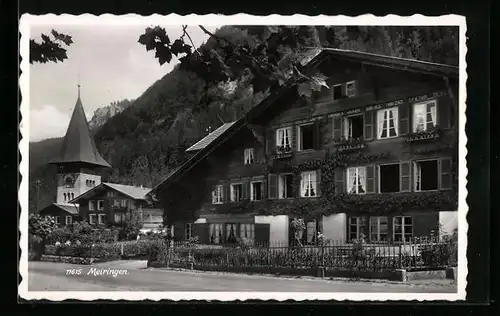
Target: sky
{"type": "Point", "coordinates": [110, 64]}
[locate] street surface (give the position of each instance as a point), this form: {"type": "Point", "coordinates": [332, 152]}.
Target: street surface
{"type": "Point", "coordinates": [132, 276]}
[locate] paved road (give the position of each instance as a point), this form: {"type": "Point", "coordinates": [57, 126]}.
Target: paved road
{"type": "Point", "coordinates": [47, 276]}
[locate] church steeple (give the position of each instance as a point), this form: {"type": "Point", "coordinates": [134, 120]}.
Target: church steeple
{"type": "Point", "coordinates": [78, 146]}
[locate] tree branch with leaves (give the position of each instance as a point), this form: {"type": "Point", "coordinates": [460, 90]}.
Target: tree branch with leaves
{"type": "Point", "coordinates": [50, 49]}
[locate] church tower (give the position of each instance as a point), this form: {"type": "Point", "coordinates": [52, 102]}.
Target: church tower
{"type": "Point", "coordinates": [79, 162]}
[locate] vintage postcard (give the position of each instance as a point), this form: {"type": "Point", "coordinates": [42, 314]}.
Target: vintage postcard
{"type": "Point", "coordinates": [211, 157]}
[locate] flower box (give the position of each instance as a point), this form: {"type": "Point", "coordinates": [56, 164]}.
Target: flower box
{"type": "Point", "coordinates": [423, 136]}
{"type": "Point", "coordinates": [351, 144]}
{"type": "Point", "coordinates": [283, 153]}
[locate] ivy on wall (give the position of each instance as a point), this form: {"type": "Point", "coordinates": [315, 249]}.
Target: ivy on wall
{"type": "Point", "coordinates": [329, 202]}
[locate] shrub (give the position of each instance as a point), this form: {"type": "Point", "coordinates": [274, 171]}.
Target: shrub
{"type": "Point", "coordinates": [438, 255]}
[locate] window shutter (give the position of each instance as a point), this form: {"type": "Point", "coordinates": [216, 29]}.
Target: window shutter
{"type": "Point", "coordinates": [404, 119]}
{"type": "Point", "coordinates": [212, 194]}
{"type": "Point", "coordinates": [262, 233]}
{"type": "Point", "coordinates": [263, 189]}
{"type": "Point", "coordinates": [340, 181]}
{"type": "Point", "coordinates": [273, 186]}
{"type": "Point", "coordinates": [368, 125]}
{"type": "Point", "coordinates": [270, 141]}
{"type": "Point", "coordinates": [245, 195]}
{"type": "Point", "coordinates": [318, 182]}
{"type": "Point", "coordinates": [226, 193]}
{"type": "Point", "coordinates": [404, 177]}
{"type": "Point", "coordinates": [444, 113]}
{"type": "Point", "coordinates": [337, 128]}
{"type": "Point", "coordinates": [318, 135]}
{"type": "Point", "coordinates": [370, 179]}
{"type": "Point", "coordinates": [293, 137]}
{"type": "Point", "coordinates": [202, 231]}
{"type": "Point", "coordinates": [445, 178]}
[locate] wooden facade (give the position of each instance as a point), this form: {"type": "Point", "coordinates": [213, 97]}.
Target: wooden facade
{"type": "Point", "coordinates": [407, 119]}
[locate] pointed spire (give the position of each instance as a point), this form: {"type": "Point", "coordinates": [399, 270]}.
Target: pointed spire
{"type": "Point", "coordinates": [78, 144]}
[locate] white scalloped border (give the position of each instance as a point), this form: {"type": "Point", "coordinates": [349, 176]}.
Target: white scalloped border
{"type": "Point", "coordinates": [216, 19]}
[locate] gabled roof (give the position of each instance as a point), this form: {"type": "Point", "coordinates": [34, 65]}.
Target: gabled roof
{"type": "Point", "coordinates": [409, 65]}
{"type": "Point", "coordinates": [78, 145]}
{"type": "Point", "coordinates": [69, 208]}
{"type": "Point", "coordinates": [136, 193]}
{"type": "Point", "coordinates": [210, 137]}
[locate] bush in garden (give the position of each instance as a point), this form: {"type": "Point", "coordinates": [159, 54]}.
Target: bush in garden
{"type": "Point", "coordinates": [40, 228]}
{"type": "Point", "coordinates": [131, 228]}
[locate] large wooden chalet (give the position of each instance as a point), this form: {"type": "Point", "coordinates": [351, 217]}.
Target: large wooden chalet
{"type": "Point", "coordinates": [373, 154]}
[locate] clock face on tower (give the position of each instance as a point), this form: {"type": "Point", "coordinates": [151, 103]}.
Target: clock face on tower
{"type": "Point", "coordinates": [68, 181]}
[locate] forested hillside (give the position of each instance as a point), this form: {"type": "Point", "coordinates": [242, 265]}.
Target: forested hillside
{"type": "Point", "coordinates": [145, 141]}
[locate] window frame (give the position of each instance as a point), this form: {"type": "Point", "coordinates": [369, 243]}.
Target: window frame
{"type": "Point", "coordinates": [353, 82]}
{"type": "Point", "coordinates": [248, 156]}
{"type": "Point", "coordinates": [396, 122]}
{"type": "Point", "coordinates": [378, 229]}
{"type": "Point", "coordinates": [315, 187]}
{"type": "Point", "coordinates": [123, 202]}
{"type": "Point", "coordinates": [414, 174]}
{"type": "Point", "coordinates": [214, 226]}
{"type": "Point", "coordinates": [92, 205]}
{"type": "Point", "coordinates": [379, 177]}
{"type": "Point", "coordinates": [252, 231]}
{"type": "Point", "coordinates": [70, 220]}
{"type": "Point", "coordinates": [219, 188]}
{"type": "Point", "coordinates": [252, 190]}
{"type": "Point", "coordinates": [425, 104]}
{"type": "Point", "coordinates": [347, 129]}
{"type": "Point", "coordinates": [94, 216]}
{"type": "Point", "coordinates": [188, 230]}
{"type": "Point", "coordinates": [99, 208]}
{"type": "Point", "coordinates": [342, 89]}
{"type": "Point", "coordinates": [357, 186]}
{"type": "Point", "coordinates": [287, 135]}
{"type": "Point", "coordinates": [57, 219]}
{"type": "Point", "coordinates": [231, 191]}
{"type": "Point", "coordinates": [403, 225]}
{"type": "Point", "coordinates": [280, 184]}
{"type": "Point", "coordinates": [299, 138]}
{"type": "Point", "coordinates": [359, 220]}
{"type": "Point", "coordinates": [99, 217]}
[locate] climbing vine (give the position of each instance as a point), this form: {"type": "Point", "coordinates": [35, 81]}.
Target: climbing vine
{"type": "Point", "coordinates": [330, 201]}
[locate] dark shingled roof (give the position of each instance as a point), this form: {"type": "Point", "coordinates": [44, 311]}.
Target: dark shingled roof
{"type": "Point", "coordinates": [210, 137]}
{"type": "Point", "coordinates": [136, 193]}
{"type": "Point", "coordinates": [69, 208]}
{"type": "Point", "coordinates": [410, 65]}
{"type": "Point", "coordinates": [78, 144]}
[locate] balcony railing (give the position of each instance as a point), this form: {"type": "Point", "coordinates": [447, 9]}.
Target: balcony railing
{"type": "Point", "coordinates": [423, 136]}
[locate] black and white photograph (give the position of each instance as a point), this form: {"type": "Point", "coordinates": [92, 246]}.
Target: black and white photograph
{"type": "Point", "coordinates": [243, 157]}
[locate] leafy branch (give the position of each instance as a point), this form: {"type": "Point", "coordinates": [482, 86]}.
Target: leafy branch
{"type": "Point", "coordinates": [50, 49]}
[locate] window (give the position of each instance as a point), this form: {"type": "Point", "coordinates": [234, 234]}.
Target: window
{"type": "Point", "coordinates": [100, 205]}
{"type": "Point", "coordinates": [356, 227]}
{"type": "Point", "coordinates": [92, 218]}
{"type": "Point", "coordinates": [91, 205]}
{"type": "Point", "coordinates": [305, 140]}
{"type": "Point", "coordinates": [124, 203]}
{"type": "Point", "coordinates": [379, 228]}
{"type": "Point", "coordinates": [283, 137]}
{"type": "Point", "coordinates": [249, 158]}
{"type": "Point", "coordinates": [353, 127]}
{"type": "Point", "coordinates": [247, 231]}
{"type": "Point", "coordinates": [425, 175]}
{"type": "Point", "coordinates": [116, 203]}
{"type": "Point", "coordinates": [387, 123]}
{"type": "Point", "coordinates": [72, 195]}
{"type": "Point", "coordinates": [69, 182]}
{"type": "Point", "coordinates": [356, 180]}
{"type": "Point", "coordinates": [257, 191]}
{"type": "Point", "coordinates": [65, 197]}
{"type": "Point", "coordinates": [102, 219]}
{"type": "Point", "coordinates": [285, 186]}
{"type": "Point", "coordinates": [68, 220]}
{"type": "Point", "coordinates": [217, 194]}
{"type": "Point", "coordinates": [93, 183]}
{"type": "Point", "coordinates": [311, 232]}
{"type": "Point", "coordinates": [188, 230]}
{"type": "Point", "coordinates": [231, 232]}
{"type": "Point", "coordinates": [402, 228]}
{"type": "Point", "coordinates": [236, 192]}
{"type": "Point", "coordinates": [110, 193]}
{"type": "Point", "coordinates": [308, 184]}
{"type": "Point", "coordinates": [118, 217]}
{"type": "Point", "coordinates": [57, 219]}
{"type": "Point", "coordinates": [216, 233]}
{"type": "Point", "coordinates": [389, 178]}
{"type": "Point", "coordinates": [424, 116]}
{"type": "Point", "coordinates": [350, 89]}
{"type": "Point", "coordinates": [337, 92]}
